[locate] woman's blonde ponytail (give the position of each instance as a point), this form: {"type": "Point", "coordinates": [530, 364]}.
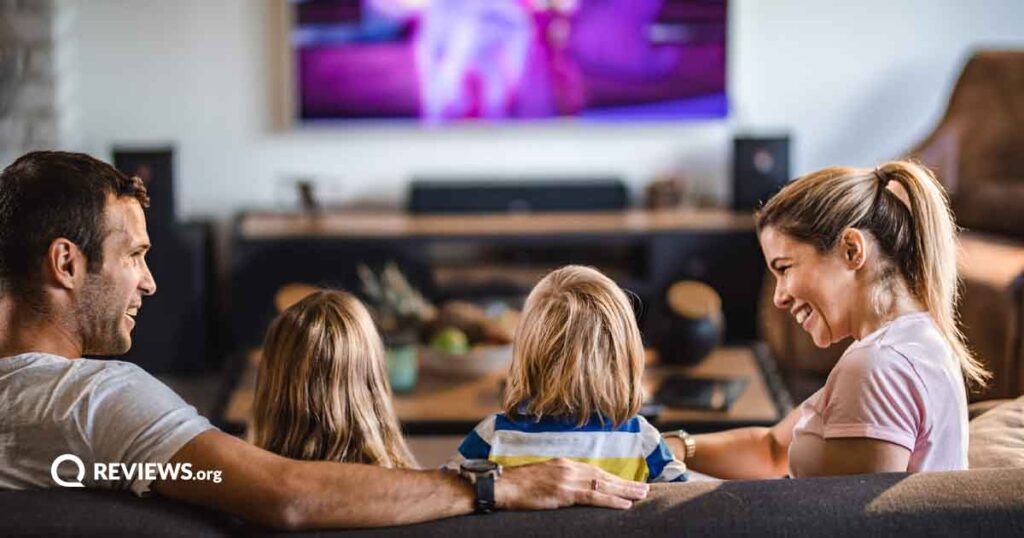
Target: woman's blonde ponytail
{"type": "Point", "coordinates": [933, 260]}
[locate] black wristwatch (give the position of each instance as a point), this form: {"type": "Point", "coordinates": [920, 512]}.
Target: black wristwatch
{"type": "Point", "coordinates": [482, 474]}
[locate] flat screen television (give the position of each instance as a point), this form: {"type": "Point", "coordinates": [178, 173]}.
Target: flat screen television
{"type": "Point", "coordinates": [444, 61]}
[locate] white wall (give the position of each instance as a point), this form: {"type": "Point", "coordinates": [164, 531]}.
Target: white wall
{"type": "Point", "coordinates": [853, 82]}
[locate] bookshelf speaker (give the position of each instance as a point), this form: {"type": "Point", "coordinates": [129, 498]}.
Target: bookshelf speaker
{"type": "Point", "coordinates": [760, 169]}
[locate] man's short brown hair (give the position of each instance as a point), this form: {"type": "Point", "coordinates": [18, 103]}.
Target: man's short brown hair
{"type": "Point", "coordinates": [45, 195]}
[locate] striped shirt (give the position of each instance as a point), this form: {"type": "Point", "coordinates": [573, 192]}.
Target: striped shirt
{"type": "Point", "coordinates": [633, 451]}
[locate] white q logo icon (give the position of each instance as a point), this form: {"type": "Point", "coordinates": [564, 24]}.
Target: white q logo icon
{"type": "Point", "coordinates": [80, 475]}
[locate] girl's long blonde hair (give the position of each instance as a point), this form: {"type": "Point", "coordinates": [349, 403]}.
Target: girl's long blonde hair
{"type": "Point", "coordinates": [917, 236]}
{"type": "Point", "coordinates": [322, 391]}
{"type": "Point", "coordinates": [577, 351]}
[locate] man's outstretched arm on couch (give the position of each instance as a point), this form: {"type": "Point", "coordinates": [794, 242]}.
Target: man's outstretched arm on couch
{"type": "Point", "coordinates": [271, 490]}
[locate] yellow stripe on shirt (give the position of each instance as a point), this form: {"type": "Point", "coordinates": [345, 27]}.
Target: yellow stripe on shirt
{"type": "Point", "coordinates": [626, 468]}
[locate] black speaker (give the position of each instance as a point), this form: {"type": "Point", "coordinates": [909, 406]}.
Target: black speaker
{"type": "Point", "coordinates": [175, 331]}
{"type": "Point", "coordinates": [155, 166]}
{"type": "Point", "coordinates": [490, 196]}
{"type": "Point", "coordinates": [760, 169]}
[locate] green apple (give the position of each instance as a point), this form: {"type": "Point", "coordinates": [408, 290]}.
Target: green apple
{"type": "Point", "coordinates": [450, 340]}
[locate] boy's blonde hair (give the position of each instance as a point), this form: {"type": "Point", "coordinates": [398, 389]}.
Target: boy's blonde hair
{"type": "Point", "coordinates": [322, 391]}
{"type": "Point", "coordinates": [577, 351]}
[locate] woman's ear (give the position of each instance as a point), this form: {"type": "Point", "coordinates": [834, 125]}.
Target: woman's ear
{"type": "Point", "coordinates": [853, 248]}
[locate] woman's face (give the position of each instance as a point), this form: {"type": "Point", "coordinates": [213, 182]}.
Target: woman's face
{"type": "Point", "coordinates": [815, 288]}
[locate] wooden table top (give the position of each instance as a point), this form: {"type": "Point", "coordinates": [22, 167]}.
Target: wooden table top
{"type": "Point", "coordinates": [440, 404]}
{"type": "Point", "coordinates": [395, 224]}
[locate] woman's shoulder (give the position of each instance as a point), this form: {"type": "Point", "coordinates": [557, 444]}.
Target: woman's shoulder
{"type": "Point", "coordinates": [871, 360]}
{"type": "Point", "coordinates": [911, 340]}
{"type": "Point", "coordinates": [910, 353]}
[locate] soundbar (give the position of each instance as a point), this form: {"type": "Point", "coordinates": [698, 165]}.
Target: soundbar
{"type": "Point", "coordinates": [428, 196]}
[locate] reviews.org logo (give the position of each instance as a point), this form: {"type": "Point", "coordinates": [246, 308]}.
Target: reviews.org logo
{"type": "Point", "coordinates": [129, 471]}
{"type": "Point", "coordinates": [79, 475]}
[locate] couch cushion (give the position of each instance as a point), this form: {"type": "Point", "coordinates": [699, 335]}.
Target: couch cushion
{"type": "Point", "coordinates": [977, 409]}
{"type": "Point", "coordinates": [997, 437]}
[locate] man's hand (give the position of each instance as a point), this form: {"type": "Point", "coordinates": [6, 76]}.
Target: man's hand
{"type": "Point", "coordinates": [561, 482]}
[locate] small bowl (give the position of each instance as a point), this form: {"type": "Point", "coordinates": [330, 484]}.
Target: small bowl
{"type": "Point", "coordinates": [479, 361]}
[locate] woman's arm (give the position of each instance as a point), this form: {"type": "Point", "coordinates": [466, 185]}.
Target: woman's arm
{"type": "Point", "coordinates": [742, 452]}
{"type": "Point", "coordinates": [859, 455]}
{"type": "Point", "coordinates": [764, 453]}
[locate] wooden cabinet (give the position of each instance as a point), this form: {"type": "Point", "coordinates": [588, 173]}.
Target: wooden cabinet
{"type": "Point", "coordinates": [497, 254]}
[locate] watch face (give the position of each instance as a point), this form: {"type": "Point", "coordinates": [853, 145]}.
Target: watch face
{"type": "Point", "coordinates": [479, 466]}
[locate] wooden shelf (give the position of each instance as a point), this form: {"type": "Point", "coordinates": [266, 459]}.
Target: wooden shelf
{"type": "Point", "coordinates": [523, 277]}
{"type": "Point", "coordinates": [478, 256]}
{"type": "Point", "coordinates": [256, 225]}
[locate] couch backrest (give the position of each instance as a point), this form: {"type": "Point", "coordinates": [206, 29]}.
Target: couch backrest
{"type": "Point", "coordinates": [973, 503]}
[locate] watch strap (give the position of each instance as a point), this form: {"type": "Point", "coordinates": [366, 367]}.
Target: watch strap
{"type": "Point", "coordinates": [484, 488]}
{"type": "Point", "coordinates": [689, 443]}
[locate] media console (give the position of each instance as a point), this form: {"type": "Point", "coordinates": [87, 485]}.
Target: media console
{"type": "Point", "coordinates": [482, 255]}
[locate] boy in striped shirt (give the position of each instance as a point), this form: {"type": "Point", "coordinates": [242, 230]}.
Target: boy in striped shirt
{"type": "Point", "coordinates": [574, 386]}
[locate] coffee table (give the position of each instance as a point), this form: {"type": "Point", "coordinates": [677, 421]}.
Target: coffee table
{"type": "Point", "coordinates": [441, 405]}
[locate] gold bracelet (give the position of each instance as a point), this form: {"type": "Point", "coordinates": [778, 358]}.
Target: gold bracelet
{"type": "Point", "coordinates": [688, 442]}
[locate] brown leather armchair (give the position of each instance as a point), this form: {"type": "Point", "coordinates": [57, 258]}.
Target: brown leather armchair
{"type": "Point", "coordinates": [977, 151]}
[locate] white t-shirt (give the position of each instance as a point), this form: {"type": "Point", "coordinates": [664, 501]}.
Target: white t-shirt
{"type": "Point", "coordinates": [102, 411]}
{"type": "Point", "coordinates": [900, 384]}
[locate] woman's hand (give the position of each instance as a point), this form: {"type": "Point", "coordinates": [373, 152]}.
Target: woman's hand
{"type": "Point", "coordinates": [560, 482]}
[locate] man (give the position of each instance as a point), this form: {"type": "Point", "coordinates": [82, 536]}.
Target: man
{"type": "Point", "coordinates": [73, 275]}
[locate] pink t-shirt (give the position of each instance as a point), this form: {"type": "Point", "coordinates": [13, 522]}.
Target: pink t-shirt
{"type": "Point", "coordinates": [900, 384]}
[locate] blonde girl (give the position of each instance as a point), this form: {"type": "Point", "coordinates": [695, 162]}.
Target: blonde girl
{"type": "Point", "coordinates": [867, 253]}
{"type": "Point", "coordinates": [574, 386]}
{"type": "Point", "coordinates": [322, 391]}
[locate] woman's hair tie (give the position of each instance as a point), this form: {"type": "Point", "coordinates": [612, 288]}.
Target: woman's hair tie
{"type": "Point", "coordinates": [881, 182]}
{"type": "Point", "coordinates": [882, 178]}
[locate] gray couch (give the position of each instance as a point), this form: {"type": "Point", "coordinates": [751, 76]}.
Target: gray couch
{"type": "Point", "coordinates": [970, 503]}
{"type": "Point", "coordinates": [980, 502]}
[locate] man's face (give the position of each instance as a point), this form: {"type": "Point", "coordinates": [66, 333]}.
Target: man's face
{"type": "Point", "coordinates": [112, 296]}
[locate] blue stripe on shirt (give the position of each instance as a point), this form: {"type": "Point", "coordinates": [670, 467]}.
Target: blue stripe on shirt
{"type": "Point", "coordinates": [473, 447]}
{"type": "Point", "coordinates": [562, 424]}
{"type": "Point", "coordinates": [658, 459]}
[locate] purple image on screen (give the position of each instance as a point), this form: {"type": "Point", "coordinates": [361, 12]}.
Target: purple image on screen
{"type": "Point", "coordinates": [444, 61]}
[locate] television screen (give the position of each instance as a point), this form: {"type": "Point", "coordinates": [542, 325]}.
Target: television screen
{"type": "Point", "coordinates": [443, 61]}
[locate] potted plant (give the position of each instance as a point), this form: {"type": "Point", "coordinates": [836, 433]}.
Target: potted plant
{"type": "Point", "coordinates": [399, 310]}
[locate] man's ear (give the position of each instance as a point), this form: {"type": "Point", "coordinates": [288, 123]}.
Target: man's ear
{"type": "Point", "coordinates": [65, 263]}
{"type": "Point", "coordinates": [853, 247]}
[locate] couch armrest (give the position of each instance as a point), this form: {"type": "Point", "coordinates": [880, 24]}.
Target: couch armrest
{"type": "Point", "coordinates": [992, 310]}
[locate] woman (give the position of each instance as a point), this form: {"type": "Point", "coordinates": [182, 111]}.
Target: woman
{"type": "Point", "coordinates": [868, 254]}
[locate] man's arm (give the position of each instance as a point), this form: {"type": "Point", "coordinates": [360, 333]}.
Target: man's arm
{"type": "Point", "coordinates": [278, 492]}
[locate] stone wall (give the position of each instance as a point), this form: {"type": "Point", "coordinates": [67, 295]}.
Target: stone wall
{"type": "Point", "coordinates": [28, 82]}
